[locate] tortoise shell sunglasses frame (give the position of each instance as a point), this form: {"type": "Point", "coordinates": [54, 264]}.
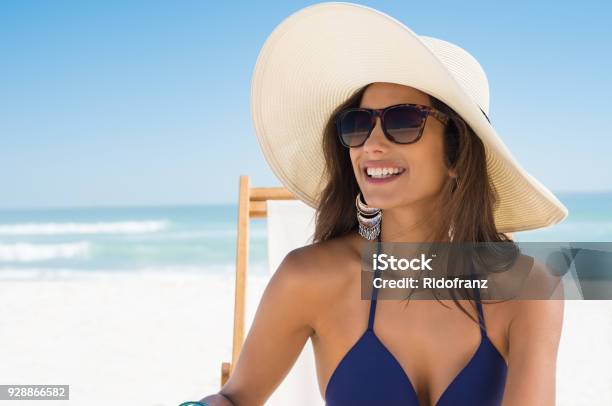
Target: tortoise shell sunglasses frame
{"type": "Point", "coordinates": [424, 112]}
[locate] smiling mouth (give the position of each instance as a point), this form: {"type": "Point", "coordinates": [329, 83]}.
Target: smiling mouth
{"type": "Point", "coordinates": [383, 173]}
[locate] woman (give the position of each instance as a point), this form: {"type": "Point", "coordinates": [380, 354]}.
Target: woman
{"type": "Point", "coordinates": [437, 172]}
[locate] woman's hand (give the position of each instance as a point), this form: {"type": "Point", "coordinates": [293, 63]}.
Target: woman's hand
{"type": "Point", "coordinates": [216, 400]}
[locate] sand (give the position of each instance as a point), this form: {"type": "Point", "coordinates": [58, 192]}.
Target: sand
{"type": "Point", "coordinates": [158, 339]}
{"type": "Point", "coordinates": [150, 339]}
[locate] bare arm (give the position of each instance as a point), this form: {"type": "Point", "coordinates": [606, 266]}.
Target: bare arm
{"type": "Point", "coordinates": [280, 328]}
{"type": "Point", "coordinates": [534, 336]}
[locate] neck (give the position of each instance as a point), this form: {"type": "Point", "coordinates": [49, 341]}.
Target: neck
{"type": "Point", "coordinates": [412, 223]}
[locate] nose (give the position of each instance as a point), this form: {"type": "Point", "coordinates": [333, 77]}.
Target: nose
{"type": "Point", "coordinates": [377, 140]}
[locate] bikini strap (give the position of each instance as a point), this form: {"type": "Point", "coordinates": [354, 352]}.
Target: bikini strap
{"type": "Point", "coordinates": [483, 327]}
{"type": "Point", "coordinates": [373, 306]}
{"type": "Point", "coordinates": [374, 293]}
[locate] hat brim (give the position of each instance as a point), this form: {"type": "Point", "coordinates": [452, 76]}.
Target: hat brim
{"type": "Point", "coordinates": [319, 56]}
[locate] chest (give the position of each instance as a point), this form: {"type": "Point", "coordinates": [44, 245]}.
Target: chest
{"type": "Point", "coordinates": [428, 344]}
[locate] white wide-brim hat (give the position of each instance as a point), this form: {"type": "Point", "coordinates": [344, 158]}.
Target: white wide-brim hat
{"type": "Point", "coordinates": [319, 56]}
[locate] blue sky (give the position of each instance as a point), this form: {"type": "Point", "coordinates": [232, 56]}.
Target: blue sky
{"type": "Point", "coordinates": [147, 102]}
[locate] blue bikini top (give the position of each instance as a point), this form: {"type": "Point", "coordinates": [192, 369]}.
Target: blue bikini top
{"type": "Point", "coordinates": [369, 374]}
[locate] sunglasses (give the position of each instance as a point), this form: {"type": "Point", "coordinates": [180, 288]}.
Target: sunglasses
{"type": "Point", "coordinates": [401, 123]}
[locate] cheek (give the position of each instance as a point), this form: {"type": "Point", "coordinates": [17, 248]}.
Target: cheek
{"type": "Point", "coordinates": [427, 163]}
{"type": "Point", "coordinates": [354, 155]}
{"type": "Point", "coordinates": [430, 171]}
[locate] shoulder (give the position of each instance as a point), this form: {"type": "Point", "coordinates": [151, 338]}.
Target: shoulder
{"type": "Point", "coordinates": [540, 318]}
{"type": "Point", "coordinates": [320, 262]}
{"type": "Point", "coordinates": [545, 299]}
{"type": "Point", "coordinates": [316, 272]}
{"type": "Point", "coordinates": [522, 321]}
{"type": "Point", "coordinates": [534, 337]}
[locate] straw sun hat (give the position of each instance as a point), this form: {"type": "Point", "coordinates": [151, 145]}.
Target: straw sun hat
{"type": "Point", "coordinates": [319, 56]}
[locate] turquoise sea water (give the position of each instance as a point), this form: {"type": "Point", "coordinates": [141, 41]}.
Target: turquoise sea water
{"type": "Point", "coordinates": [195, 238]}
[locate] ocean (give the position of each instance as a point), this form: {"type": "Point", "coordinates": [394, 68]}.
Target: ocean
{"type": "Point", "coordinates": [47, 242]}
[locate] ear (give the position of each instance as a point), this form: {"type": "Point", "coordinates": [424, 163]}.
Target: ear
{"type": "Point", "coordinates": [452, 173]}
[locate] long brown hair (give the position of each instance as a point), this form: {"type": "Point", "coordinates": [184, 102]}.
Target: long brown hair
{"type": "Point", "coordinates": [467, 204]}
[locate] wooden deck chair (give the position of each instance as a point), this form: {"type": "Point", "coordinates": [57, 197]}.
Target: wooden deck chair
{"type": "Point", "coordinates": [286, 219]}
{"type": "Point", "coordinates": [251, 204]}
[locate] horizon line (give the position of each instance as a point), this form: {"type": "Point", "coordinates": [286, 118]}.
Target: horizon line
{"type": "Point", "coordinates": [220, 203]}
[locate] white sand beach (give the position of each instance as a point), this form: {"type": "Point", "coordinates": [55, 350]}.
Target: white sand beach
{"type": "Point", "coordinates": [148, 339]}
{"type": "Point", "coordinates": [158, 339]}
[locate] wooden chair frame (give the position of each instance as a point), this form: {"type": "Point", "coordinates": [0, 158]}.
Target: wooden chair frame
{"type": "Point", "coordinates": [252, 203]}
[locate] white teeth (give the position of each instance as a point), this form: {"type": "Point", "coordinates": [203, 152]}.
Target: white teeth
{"type": "Point", "coordinates": [383, 172]}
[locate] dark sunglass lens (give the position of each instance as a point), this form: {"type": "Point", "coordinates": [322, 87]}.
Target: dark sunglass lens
{"type": "Point", "coordinates": [354, 127]}
{"type": "Point", "coordinates": [404, 123]}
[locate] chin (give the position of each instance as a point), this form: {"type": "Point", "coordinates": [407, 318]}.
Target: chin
{"type": "Point", "coordinates": [385, 203]}
{"type": "Point", "coordinates": [402, 197]}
